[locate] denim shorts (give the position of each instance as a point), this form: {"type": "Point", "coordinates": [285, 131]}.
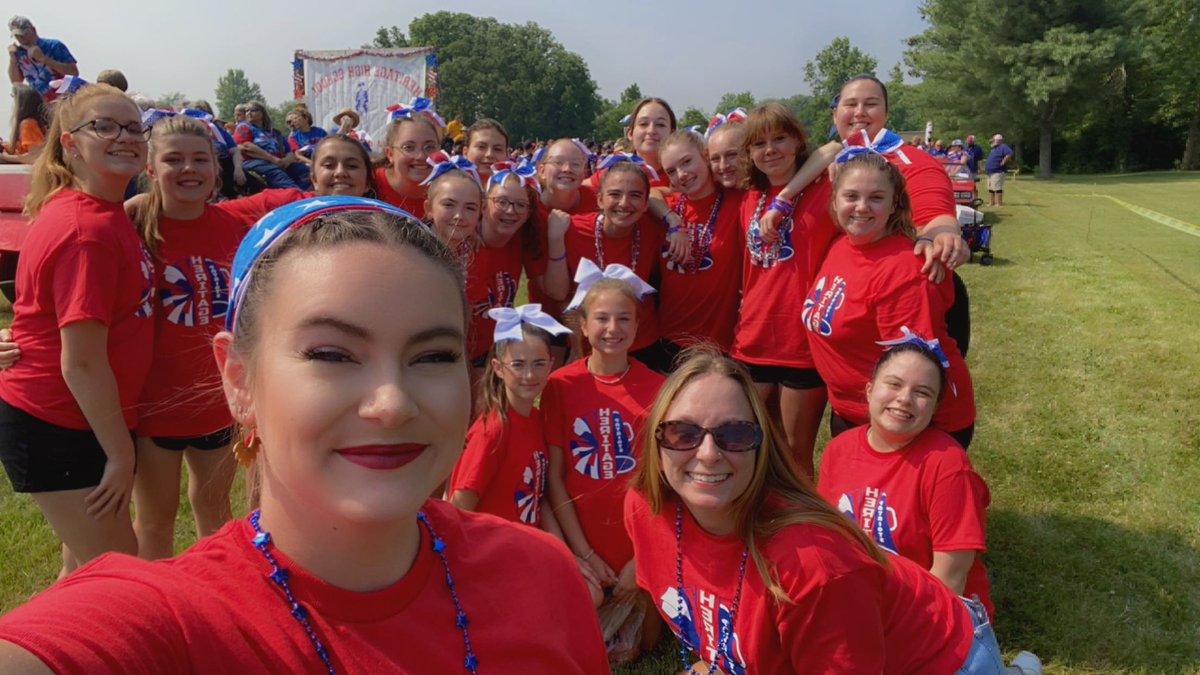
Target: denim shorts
{"type": "Point", "coordinates": [985, 657]}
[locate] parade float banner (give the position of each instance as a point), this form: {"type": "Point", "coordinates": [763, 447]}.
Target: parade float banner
{"type": "Point", "coordinates": [365, 80]}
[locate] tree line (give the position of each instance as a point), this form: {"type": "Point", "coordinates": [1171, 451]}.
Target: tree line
{"type": "Point", "coordinates": [1077, 85]}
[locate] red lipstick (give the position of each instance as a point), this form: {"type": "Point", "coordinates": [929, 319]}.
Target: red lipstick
{"type": "Point", "coordinates": [382, 457]}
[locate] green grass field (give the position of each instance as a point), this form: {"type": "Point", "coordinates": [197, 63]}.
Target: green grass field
{"type": "Point", "coordinates": [1087, 373]}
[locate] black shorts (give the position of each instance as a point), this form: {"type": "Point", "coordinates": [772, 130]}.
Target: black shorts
{"type": "Point", "coordinates": [792, 378]}
{"type": "Point", "coordinates": [42, 457]}
{"type": "Point", "coordinates": [214, 441]}
{"type": "Point", "coordinates": [656, 357]}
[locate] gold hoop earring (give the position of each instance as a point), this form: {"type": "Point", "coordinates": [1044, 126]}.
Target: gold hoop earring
{"type": "Point", "coordinates": [245, 450]}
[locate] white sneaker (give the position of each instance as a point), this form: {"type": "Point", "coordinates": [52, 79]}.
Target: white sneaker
{"type": "Point", "coordinates": [1026, 663]}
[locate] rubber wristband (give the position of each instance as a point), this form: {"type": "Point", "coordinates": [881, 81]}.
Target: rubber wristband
{"type": "Point", "coordinates": [588, 557]}
{"type": "Point", "coordinates": [672, 230]}
{"type": "Point", "coordinates": [928, 239]}
{"type": "Point", "coordinates": [559, 258]}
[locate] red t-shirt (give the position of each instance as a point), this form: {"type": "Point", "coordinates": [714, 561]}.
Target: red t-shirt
{"type": "Point", "coordinates": [214, 610]}
{"type": "Point", "coordinates": [493, 276]}
{"type": "Point", "coordinates": [505, 465]}
{"type": "Point", "coordinates": [848, 614]}
{"type": "Point", "coordinates": [932, 498]}
{"type": "Point", "coordinates": [700, 299]}
{"type": "Point", "coordinates": [597, 426]}
{"type": "Point", "coordinates": [926, 183]}
{"type": "Point", "coordinates": [864, 294]}
{"type": "Point", "coordinates": [541, 220]}
{"type": "Point", "coordinates": [581, 243]}
{"type": "Point", "coordinates": [182, 396]}
{"type": "Point", "coordinates": [385, 193]}
{"type": "Point", "coordinates": [769, 328]}
{"type": "Point", "coordinates": [81, 261]}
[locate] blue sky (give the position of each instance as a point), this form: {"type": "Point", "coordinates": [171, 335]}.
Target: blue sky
{"type": "Point", "coordinates": [689, 53]}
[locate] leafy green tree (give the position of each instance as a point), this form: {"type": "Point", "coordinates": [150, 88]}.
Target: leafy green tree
{"type": "Point", "coordinates": [518, 74]}
{"type": "Point", "coordinates": [1173, 53]}
{"type": "Point", "coordinates": [171, 99]}
{"type": "Point", "coordinates": [693, 116]}
{"type": "Point", "coordinates": [731, 100]}
{"type": "Point", "coordinates": [902, 113]}
{"type": "Point", "coordinates": [389, 37]}
{"type": "Point", "coordinates": [837, 62]}
{"type": "Point", "coordinates": [1019, 66]}
{"type": "Point", "coordinates": [608, 122]}
{"type": "Point", "coordinates": [233, 88]}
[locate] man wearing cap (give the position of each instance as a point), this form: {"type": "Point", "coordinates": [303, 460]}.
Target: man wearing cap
{"type": "Point", "coordinates": [974, 155]}
{"type": "Point", "coordinates": [996, 166]}
{"type": "Point", "coordinates": [34, 59]}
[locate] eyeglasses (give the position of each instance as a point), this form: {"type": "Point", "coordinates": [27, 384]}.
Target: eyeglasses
{"type": "Point", "coordinates": [730, 437]}
{"type": "Point", "coordinates": [535, 366]}
{"type": "Point", "coordinates": [505, 204]}
{"type": "Point", "coordinates": [565, 164]}
{"type": "Point", "coordinates": [110, 130]}
{"type": "Point", "coordinates": [413, 150]}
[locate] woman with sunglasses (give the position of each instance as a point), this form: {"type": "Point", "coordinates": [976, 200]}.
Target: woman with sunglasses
{"type": "Point", "coordinates": [754, 572]}
{"type": "Point", "coordinates": [83, 318]}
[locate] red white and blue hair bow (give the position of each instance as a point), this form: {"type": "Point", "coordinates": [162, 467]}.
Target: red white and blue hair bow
{"type": "Point", "coordinates": [524, 172]}
{"type": "Point", "coordinates": [626, 120]}
{"type": "Point", "coordinates": [509, 320]}
{"type": "Point", "coordinates": [588, 273]}
{"type": "Point", "coordinates": [64, 86]}
{"type": "Point", "coordinates": [695, 129]}
{"type": "Point", "coordinates": [273, 226]}
{"type": "Point", "coordinates": [735, 115]}
{"type": "Point", "coordinates": [932, 346]}
{"type": "Point", "coordinates": [152, 116]}
{"type": "Point", "coordinates": [443, 163]}
{"type": "Point", "coordinates": [418, 106]}
{"type": "Point", "coordinates": [859, 143]}
{"type": "Point", "coordinates": [634, 159]}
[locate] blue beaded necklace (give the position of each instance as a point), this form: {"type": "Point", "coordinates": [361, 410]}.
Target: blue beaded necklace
{"type": "Point", "coordinates": [699, 235]}
{"type": "Point", "coordinates": [279, 575]}
{"type": "Point", "coordinates": [726, 631]}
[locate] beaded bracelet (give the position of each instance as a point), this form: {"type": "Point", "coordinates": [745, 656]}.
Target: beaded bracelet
{"type": "Point", "coordinates": [781, 205]}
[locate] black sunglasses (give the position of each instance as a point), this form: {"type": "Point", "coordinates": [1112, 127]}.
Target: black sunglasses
{"type": "Point", "coordinates": [730, 437]}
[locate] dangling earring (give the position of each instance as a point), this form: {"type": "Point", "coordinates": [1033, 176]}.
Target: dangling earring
{"type": "Point", "coordinates": [245, 450]}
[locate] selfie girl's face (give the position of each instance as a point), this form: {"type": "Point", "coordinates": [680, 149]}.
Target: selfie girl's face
{"type": "Point", "coordinates": [184, 167]}
{"type": "Point", "coordinates": [362, 412]}
{"type": "Point", "coordinates": [453, 208]}
{"type": "Point", "coordinates": [903, 395]}
{"type": "Point", "coordinates": [649, 129]}
{"type": "Point", "coordinates": [563, 167]}
{"type": "Point", "coordinates": [707, 478]}
{"type": "Point", "coordinates": [338, 169]}
{"type": "Point", "coordinates": [686, 169]}
{"type": "Point", "coordinates": [487, 147]}
{"type": "Point", "coordinates": [724, 156]}
{"type": "Point", "coordinates": [415, 141]}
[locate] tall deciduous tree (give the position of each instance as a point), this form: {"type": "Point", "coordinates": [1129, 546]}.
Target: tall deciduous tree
{"type": "Point", "coordinates": [731, 100]}
{"type": "Point", "coordinates": [233, 88]}
{"type": "Point", "coordinates": [1174, 56]}
{"type": "Point", "coordinates": [518, 74]}
{"type": "Point", "coordinates": [837, 62]}
{"type": "Point", "coordinates": [1014, 64]}
{"type": "Point", "coordinates": [693, 116]}
{"type": "Point", "coordinates": [608, 122]}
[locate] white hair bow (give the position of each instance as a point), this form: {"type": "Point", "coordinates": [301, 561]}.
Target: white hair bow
{"type": "Point", "coordinates": [588, 273]}
{"type": "Point", "coordinates": [509, 320]}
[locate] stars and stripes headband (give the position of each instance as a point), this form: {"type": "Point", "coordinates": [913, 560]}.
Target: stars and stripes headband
{"type": "Point", "coordinates": [634, 159]}
{"type": "Point", "coordinates": [735, 115]}
{"type": "Point", "coordinates": [273, 226]}
{"type": "Point", "coordinates": [509, 320]}
{"type": "Point", "coordinates": [859, 143]}
{"type": "Point", "coordinates": [443, 163]}
{"type": "Point", "coordinates": [63, 87]}
{"type": "Point", "coordinates": [419, 106]}
{"type": "Point", "coordinates": [524, 172]}
{"type": "Point", "coordinates": [588, 273]}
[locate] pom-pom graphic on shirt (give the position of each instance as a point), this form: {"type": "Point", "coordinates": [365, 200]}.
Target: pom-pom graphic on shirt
{"type": "Point", "coordinates": [196, 292]}
{"type": "Point", "coordinates": [602, 445]}
{"type": "Point", "coordinates": [767, 255]}
{"type": "Point", "coordinates": [821, 304]}
{"type": "Point", "coordinates": [502, 292]}
{"type": "Point", "coordinates": [529, 495]}
{"type": "Point", "coordinates": [684, 623]}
